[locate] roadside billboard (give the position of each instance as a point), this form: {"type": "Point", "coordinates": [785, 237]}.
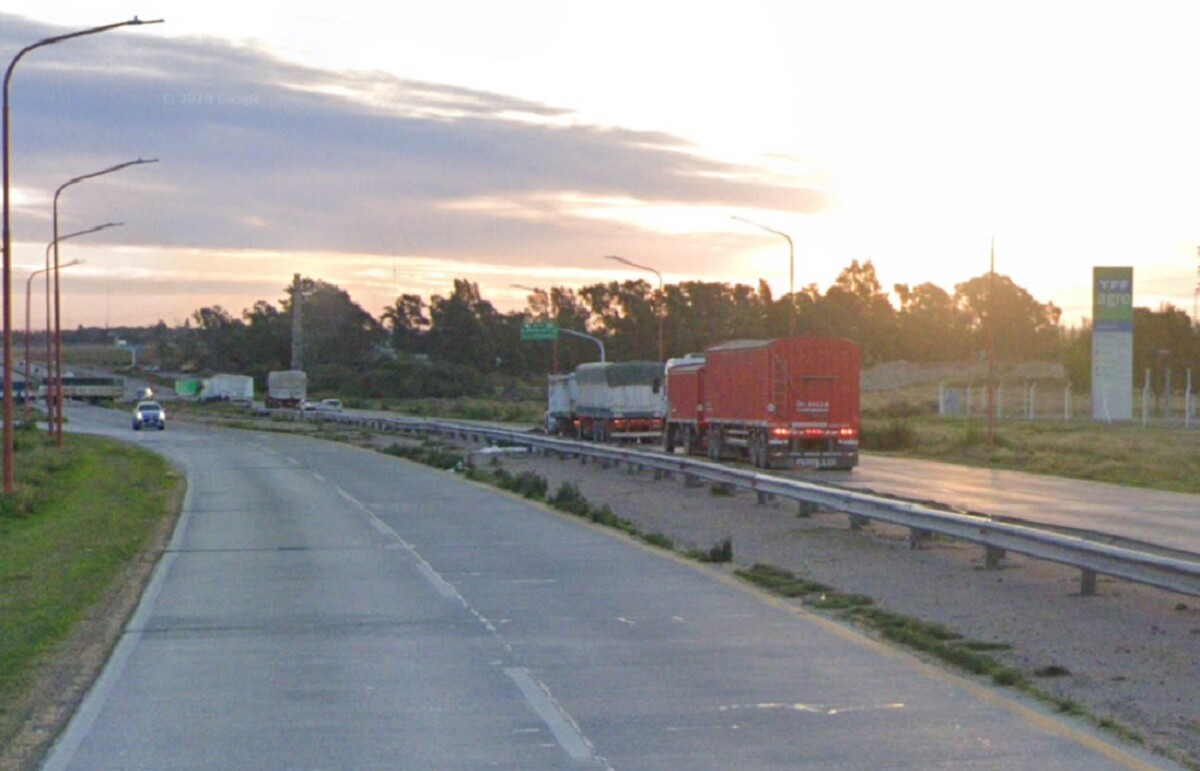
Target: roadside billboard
{"type": "Point", "coordinates": [1112, 344]}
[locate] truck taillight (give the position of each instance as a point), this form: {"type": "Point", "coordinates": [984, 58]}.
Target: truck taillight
{"type": "Point", "coordinates": [847, 433]}
{"type": "Point", "coordinates": [781, 432]}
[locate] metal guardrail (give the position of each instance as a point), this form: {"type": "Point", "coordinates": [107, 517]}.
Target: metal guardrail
{"type": "Point", "coordinates": [1092, 558]}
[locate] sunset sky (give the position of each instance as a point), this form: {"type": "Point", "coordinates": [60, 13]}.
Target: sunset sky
{"type": "Point", "coordinates": [390, 149]}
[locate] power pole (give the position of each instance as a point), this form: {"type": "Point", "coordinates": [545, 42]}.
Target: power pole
{"type": "Point", "coordinates": [297, 314]}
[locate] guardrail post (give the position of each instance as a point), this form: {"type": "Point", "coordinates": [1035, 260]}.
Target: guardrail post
{"type": "Point", "coordinates": [1087, 583]}
{"type": "Point", "coordinates": [691, 480]}
{"type": "Point", "coordinates": [764, 498]}
{"type": "Point", "coordinates": [807, 509]}
{"type": "Point", "coordinates": [858, 522]}
{"type": "Point", "coordinates": [992, 556]}
{"type": "Point", "coordinates": [918, 539]}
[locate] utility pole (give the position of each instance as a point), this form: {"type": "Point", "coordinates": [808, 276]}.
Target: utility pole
{"type": "Point", "coordinates": [297, 314]}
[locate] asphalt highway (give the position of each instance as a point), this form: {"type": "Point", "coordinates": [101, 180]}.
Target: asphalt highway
{"type": "Point", "coordinates": [323, 606]}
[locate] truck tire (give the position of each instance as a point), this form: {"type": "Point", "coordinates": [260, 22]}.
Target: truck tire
{"type": "Point", "coordinates": [668, 439]}
{"type": "Point", "coordinates": [715, 443]}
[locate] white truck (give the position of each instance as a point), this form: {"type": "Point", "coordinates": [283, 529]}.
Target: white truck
{"type": "Point", "coordinates": [228, 388]}
{"type": "Point", "coordinates": [286, 389]}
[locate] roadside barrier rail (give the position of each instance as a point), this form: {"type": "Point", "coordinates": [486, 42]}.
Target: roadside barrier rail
{"type": "Point", "coordinates": [1175, 573]}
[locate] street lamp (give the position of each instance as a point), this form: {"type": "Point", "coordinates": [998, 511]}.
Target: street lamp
{"type": "Point", "coordinates": [50, 405]}
{"type": "Point", "coordinates": [6, 286]}
{"type": "Point", "coordinates": [28, 293]}
{"type": "Point", "coordinates": [791, 271]}
{"type": "Point", "coordinates": [662, 298]}
{"type": "Point", "coordinates": [57, 381]}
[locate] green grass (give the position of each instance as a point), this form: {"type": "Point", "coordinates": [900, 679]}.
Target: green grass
{"type": "Point", "coordinates": [78, 516]}
{"type": "Point", "coordinates": [1155, 457]}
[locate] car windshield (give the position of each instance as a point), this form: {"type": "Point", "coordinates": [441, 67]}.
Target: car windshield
{"type": "Point", "coordinates": [149, 406]}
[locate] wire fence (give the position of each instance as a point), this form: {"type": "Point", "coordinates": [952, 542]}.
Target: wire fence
{"type": "Point", "coordinates": [1054, 399]}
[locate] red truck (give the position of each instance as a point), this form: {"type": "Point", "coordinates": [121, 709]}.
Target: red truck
{"type": "Point", "coordinates": [792, 401]}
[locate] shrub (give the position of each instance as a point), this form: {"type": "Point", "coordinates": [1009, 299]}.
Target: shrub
{"type": "Point", "coordinates": [895, 435]}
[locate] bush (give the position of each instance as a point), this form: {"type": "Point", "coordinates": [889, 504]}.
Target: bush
{"type": "Point", "coordinates": [722, 551]}
{"type": "Point", "coordinates": [895, 435]}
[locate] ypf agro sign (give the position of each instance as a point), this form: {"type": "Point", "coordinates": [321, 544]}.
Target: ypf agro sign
{"type": "Point", "coordinates": [1112, 344]}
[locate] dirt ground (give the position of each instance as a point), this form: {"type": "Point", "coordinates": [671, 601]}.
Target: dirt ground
{"type": "Point", "coordinates": [1131, 654]}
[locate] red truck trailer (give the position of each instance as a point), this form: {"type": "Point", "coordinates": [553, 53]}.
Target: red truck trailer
{"type": "Point", "coordinates": [793, 401]}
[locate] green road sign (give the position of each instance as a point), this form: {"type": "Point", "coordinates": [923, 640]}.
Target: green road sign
{"type": "Point", "coordinates": [546, 330]}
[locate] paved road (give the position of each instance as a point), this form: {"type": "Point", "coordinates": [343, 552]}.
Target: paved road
{"type": "Point", "coordinates": [1166, 519]}
{"type": "Point", "coordinates": [327, 607]}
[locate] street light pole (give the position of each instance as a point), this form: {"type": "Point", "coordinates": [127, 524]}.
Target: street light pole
{"type": "Point", "coordinates": [6, 286]}
{"type": "Point", "coordinates": [50, 405]}
{"type": "Point", "coordinates": [791, 271]}
{"type": "Point", "coordinates": [28, 368]}
{"type": "Point", "coordinates": [58, 394]}
{"type": "Point", "coordinates": [662, 298]}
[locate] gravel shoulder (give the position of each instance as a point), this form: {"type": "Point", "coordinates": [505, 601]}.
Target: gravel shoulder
{"type": "Point", "coordinates": [1127, 655]}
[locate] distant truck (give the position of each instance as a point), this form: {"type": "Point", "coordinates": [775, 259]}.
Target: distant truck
{"type": "Point", "coordinates": [92, 390]}
{"type": "Point", "coordinates": [791, 401]}
{"type": "Point", "coordinates": [228, 388]}
{"type": "Point", "coordinates": [562, 396]}
{"type": "Point", "coordinates": [286, 389]}
{"type": "Point", "coordinates": [620, 401]}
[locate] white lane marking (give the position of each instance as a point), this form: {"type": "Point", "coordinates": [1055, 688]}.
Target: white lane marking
{"type": "Point", "coordinates": [317, 476]}
{"type": "Point", "coordinates": [566, 731]}
{"type": "Point", "coordinates": [626, 621]}
{"type": "Point", "coordinates": [443, 587]}
{"type": "Point", "coordinates": [816, 709]}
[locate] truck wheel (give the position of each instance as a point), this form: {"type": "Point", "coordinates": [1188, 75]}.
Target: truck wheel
{"type": "Point", "coordinates": [668, 439]}
{"type": "Point", "coordinates": [760, 449]}
{"type": "Point", "coordinates": [714, 444]}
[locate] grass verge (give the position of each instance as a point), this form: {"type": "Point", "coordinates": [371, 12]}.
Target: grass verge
{"type": "Point", "coordinates": [78, 517]}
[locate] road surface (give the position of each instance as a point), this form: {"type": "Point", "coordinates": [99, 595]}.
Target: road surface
{"type": "Point", "coordinates": [322, 606]}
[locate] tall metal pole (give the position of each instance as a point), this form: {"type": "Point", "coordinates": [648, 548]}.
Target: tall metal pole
{"type": "Point", "coordinates": [662, 299]}
{"type": "Point", "coordinates": [50, 396]}
{"type": "Point", "coordinates": [297, 325]}
{"type": "Point", "coordinates": [28, 335]}
{"type": "Point", "coordinates": [7, 237]}
{"type": "Point", "coordinates": [791, 270]}
{"type": "Point", "coordinates": [58, 393]}
{"type": "Point", "coordinates": [991, 342]}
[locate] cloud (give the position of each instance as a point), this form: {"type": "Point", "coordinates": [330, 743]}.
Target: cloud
{"type": "Point", "coordinates": [262, 154]}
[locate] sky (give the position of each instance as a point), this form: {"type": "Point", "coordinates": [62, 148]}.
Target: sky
{"type": "Point", "coordinates": [392, 149]}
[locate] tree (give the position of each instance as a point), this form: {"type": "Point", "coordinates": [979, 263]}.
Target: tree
{"type": "Point", "coordinates": [1162, 340]}
{"type": "Point", "coordinates": [336, 331]}
{"type": "Point", "coordinates": [463, 326]}
{"type": "Point", "coordinates": [856, 307]}
{"type": "Point", "coordinates": [930, 326]}
{"type": "Point", "coordinates": [1023, 328]}
{"type": "Point", "coordinates": [407, 320]}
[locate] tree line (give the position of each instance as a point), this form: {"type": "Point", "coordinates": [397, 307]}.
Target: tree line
{"type": "Point", "coordinates": [451, 344]}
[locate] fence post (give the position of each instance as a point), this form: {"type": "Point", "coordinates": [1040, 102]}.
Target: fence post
{"type": "Point", "coordinates": [1187, 401]}
{"type": "Point", "coordinates": [1146, 399]}
{"type": "Point", "coordinates": [1067, 403]}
